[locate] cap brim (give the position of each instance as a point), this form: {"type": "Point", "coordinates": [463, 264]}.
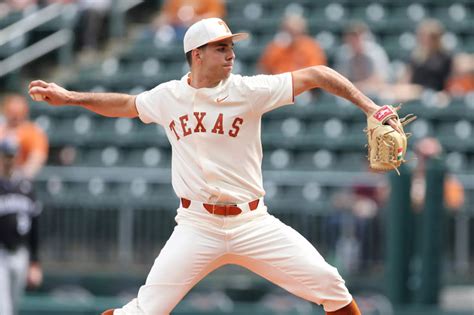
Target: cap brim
{"type": "Point", "coordinates": [235, 37]}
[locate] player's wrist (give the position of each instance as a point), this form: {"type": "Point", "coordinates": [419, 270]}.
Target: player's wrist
{"type": "Point", "coordinates": [372, 108]}
{"type": "Point", "coordinates": [71, 98]}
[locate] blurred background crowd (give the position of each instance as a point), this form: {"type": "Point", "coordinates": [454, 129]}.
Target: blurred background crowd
{"type": "Point", "coordinates": [105, 183]}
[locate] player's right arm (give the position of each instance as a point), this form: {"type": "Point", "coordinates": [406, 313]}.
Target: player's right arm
{"type": "Point", "coordinates": [105, 104]}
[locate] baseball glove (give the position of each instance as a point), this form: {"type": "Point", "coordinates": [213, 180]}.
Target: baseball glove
{"type": "Point", "coordinates": [387, 146]}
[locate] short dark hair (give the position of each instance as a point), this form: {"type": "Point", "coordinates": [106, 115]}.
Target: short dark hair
{"type": "Point", "coordinates": [189, 55]}
{"type": "Point", "coordinates": [356, 27]}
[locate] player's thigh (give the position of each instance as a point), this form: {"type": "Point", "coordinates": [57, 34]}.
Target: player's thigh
{"type": "Point", "coordinates": [271, 240]}
{"type": "Point", "coordinates": [283, 256]}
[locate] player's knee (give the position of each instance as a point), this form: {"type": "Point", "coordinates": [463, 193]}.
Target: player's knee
{"type": "Point", "coordinates": [333, 285]}
{"type": "Point", "coordinates": [136, 308]}
{"type": "Point", "coordinates": [330, 276]}
{"type": "Point", "coordinates": [334, 293]}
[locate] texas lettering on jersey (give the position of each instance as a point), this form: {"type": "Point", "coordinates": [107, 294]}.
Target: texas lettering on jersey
{"type": "Point", "coordinates": [182, 127]}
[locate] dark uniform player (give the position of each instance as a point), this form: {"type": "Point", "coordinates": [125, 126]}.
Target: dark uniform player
{"type": "Point", "coordinates": [18, 233]}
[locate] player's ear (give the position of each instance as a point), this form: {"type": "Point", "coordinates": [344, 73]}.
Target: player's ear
{"type": "Point", "coordinates": [197, 54]}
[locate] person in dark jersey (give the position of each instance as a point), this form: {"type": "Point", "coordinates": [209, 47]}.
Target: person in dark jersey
{"type": "Point", "coordinates": [430, 63]}
{"type": "Point", "coordinates": [19, 211]}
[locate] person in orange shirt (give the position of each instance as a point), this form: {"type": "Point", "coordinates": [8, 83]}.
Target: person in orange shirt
{"type": "Point", "coordinates": [180, 14]}
{"type": "Point", "coordinates": [31, 139]}
{"type": "Point", "coordinates": [292, 48]}
{"type": "Point", "coordinates": [461, 81]}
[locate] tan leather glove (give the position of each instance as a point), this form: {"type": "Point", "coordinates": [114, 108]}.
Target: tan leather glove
{"type": "Point", "coordinates": [386, 146]}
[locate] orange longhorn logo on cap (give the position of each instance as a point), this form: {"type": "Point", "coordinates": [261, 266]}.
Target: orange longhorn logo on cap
{"type": "Point", "coordinates": [227, 29]}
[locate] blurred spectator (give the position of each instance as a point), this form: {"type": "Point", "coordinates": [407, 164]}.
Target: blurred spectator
{"type": "Point", "coordinates": [4, 9]}
{"type": "Point", "coordinates": [93, 18]}
{"type": "Point", "coordinates": [180, 14]}
{"type": "Point", "coordinates": [58, 1]}
{"type": "Point", "coordinates": [18, 233]}
{"type": "Point", "coordinates": [453, 189]}
{"type": "Point", "coordinates": [20, 5]}
{"type": "Point", "coordinates": [31, 140]}
{"type": "Point", "coordinates": [292, 48]}
{"type": "Point", "coordinates": [362, 60]}
{"type": "Point", "coordinates": [12, 6]}
{"type": "Point", "coordinates": [355, 225]}
{"type": "Point", "coordinates": [430, 64]}
{"type": "Point", "coordinates": [461, 80]}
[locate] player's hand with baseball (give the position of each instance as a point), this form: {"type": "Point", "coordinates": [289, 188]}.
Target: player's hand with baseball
{"type": "Point", "coordinates": [48, 92]}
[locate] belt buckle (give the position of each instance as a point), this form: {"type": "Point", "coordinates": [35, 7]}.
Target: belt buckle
{"type": "Point", "coordinates": [224, 210]}
{"type": "Point", "coordinates": [216, 206]}
{"type": "Point", "coordinates": [233, 207]}
{"type": "Point", "coordinates": [227, 209]}
{"type": "Point", "coordinates": [224, 207]}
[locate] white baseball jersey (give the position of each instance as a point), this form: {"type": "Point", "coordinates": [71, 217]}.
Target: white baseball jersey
{"type": "Point", "coordinates": [215, 133]}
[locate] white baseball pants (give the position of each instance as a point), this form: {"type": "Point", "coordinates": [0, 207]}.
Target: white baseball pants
{"type": "Point", "coordinates": [13, 273]}
{"type": "Point", "coordinates": [256, 240]}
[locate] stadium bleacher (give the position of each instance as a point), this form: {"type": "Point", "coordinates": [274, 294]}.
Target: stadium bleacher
{"type": "Point", "coordinates": [321, 133]}
{"type": "Point", "coordinates": [310, 148]}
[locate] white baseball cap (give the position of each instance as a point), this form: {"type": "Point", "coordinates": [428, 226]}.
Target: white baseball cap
{"type": "Point", "coordinates": [207, 31]}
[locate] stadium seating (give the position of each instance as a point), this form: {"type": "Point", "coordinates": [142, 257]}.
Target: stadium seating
{"type": "Point", "coordinates": [292, 137]}
{"type": "Point", "coordinates": [113, 175]}
{"type": "Point", "coordinates": [319, 135]}
{"type": "Point", "coordinates": [106, 189]}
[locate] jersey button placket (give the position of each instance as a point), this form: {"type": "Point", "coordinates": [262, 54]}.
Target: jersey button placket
{"type": "Point", "coordinates": [197, 139]}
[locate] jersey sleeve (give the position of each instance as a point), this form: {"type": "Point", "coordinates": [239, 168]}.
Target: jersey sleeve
{"type": "Point", "coordinates": [269, 92]}
{"type": "Point", "coordinates": [148, 106]}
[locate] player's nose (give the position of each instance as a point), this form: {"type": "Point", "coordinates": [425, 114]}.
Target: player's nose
{"type": "Point", "coordinates": [230, 55]}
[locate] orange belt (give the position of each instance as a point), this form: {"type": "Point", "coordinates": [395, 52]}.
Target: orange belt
{"type": "Point", "coordinates": [222, 209]}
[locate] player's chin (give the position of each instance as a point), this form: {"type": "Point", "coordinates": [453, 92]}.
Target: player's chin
{"type": "Point", "coordinates": [227, 70]}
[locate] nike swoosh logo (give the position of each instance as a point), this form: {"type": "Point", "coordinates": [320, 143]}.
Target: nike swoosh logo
{"type": "Point", "coordinates": [220, 100]}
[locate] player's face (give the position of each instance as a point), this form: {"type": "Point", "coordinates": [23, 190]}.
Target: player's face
{"type": "Point", "coordinates": [15, 111]}
{"type": "Point", "coordinates": [356, 41]}
{"type": "Point", "coordinates": [218, 58]}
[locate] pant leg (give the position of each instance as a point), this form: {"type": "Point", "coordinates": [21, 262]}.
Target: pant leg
{"type": "Point", "coordinates": [280, 254]}
{"type": "Point", "coordinates": [188, 256]}
{"type": "Point", "coordinates": [19, 263]}
{"type": "Point", "coordinates": [6, 305]}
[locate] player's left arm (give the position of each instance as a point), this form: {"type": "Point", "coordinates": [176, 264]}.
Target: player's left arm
{"type": "Point", "coordinates": [333, 82]}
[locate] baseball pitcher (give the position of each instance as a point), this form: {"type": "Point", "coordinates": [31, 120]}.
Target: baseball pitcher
{"type": "Point", "coordinates": [212, 119]}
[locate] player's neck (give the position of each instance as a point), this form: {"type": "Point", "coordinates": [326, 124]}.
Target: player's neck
{"type": "Point", "coordinates": [199, 80]}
